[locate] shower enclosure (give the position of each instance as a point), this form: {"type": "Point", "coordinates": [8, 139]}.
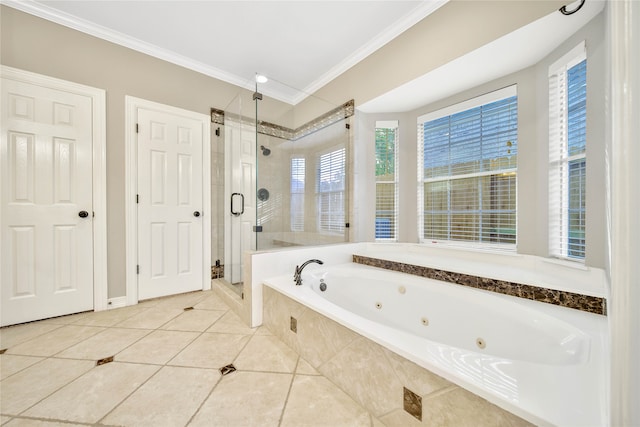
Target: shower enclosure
{"type": "Point", "coordinates": [286, 173]}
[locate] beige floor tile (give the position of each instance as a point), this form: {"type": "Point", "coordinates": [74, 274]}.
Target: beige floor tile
{"type": "Point", "coordinates": [262, 330]}
{"type": "Point", "coordinates": [10, 364]}
{"type": "Point", "coordinates": [230, 323]}
{"type": "Point", "coordinates": [55, 341]}
{"type": "Point", "coordinates": [157, 348]}
{"type": "Point", "coordinates": [110, 317]}
{"type": "Point", "coordinates": [169, 398]}
{"type": "Point", "coordinates": [400, 418]}
{"type": "Point", "coordinates": [15, 335]}
{"type": "Point", "coordinates": [266, 353]}
{"type": "Point", "coordinates": [211, 351]}
{"type": "Point", "coordinates": [4, 420]}
{"type": "Point", "coordinates": [305, 368]}
{"type": "Point", "coordinates": [27, 387]}
{"type": "Point", "coordinates": [90, 397]}
{"type": "Point", "coordinates": [245, 399]}
{"type": "Point", "coordinates": [104, 344]}
{"type": "Point", "coordinates": [212, 302]}
{"type": "Point", "coordinates": [182, 301]}
{"type": "Point", "coordinates": [151, 318]}
{"type": "Point", "coordinates": [68, 319]}
{"type": "Point", "coordinates": [29, 422]}
{"type": "Point", "coordinates": [314, 401]}
{"type": "Point", "coordinates": [194, 320]}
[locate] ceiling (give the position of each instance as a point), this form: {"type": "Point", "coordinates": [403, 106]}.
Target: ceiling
{"type": "Point", "coordinates": [513, 52]}
{"type": "Point", "coordinates": [303, 44]}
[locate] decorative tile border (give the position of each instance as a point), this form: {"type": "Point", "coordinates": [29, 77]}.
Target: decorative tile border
{"type": "Point", "coordinates": [551, 296]}
{"type": "Point", "coordinates": [341, 112]}
{"type": "Point", "coordinates": [217, 116]}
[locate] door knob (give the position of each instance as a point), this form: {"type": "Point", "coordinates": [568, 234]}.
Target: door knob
{"type": "Point", "coordinates": [196, 214]}
{"type": "Point", "coordinates": [83, 214]}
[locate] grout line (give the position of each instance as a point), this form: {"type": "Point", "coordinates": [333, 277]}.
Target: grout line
{"type": "Point", "coordinates": [57, 389]}
{"type": "Point", "coordinates": [158, 366]}
{"type": "Point", "coordinates": [286, 399]}
{"type": "Point", "coordinates": [48, 420]}
{"type": "Point", "coordinates": [132, 392]}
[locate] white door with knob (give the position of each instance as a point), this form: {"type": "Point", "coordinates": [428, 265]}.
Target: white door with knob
{"type": "Point", "coordinates": [47, 212]}
{"type": "Point", "coordinates": [170, 190]}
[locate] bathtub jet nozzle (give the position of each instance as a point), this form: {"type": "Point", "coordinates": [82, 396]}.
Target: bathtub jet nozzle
{"type": "Point", "coordinates": [297, 274]}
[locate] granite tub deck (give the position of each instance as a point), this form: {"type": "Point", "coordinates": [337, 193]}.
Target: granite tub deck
{"type": "Point", "coordinates": [588, 303]}
{"type": "Point", "coordinates": [376, 377]}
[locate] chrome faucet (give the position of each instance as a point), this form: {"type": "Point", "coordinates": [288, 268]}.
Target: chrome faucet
{"type": "Point", "coordinates": [297, 274]}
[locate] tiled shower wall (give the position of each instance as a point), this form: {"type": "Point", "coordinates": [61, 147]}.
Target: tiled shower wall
{"type": "Point", "coordinates": [374, 376]}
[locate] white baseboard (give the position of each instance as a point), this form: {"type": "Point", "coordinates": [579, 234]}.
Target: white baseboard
{"type": "Point", "coordinates": [116, 302]}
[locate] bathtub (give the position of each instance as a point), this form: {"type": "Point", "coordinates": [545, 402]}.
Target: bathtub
{"type": "Point", "coordinates": [541, 362]}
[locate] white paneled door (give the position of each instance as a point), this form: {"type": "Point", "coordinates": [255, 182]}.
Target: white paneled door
{"type": "Point", "coordinates": [170, 201]}
{"type": "Point", "coordinates": [46, 214]}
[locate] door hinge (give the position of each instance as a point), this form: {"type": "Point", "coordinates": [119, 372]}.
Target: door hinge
{"type": "Point", "coordinates": [137, 198]}
{"type": "Point", "coordinates": [138, 269]}
{"type": "Point", "coordinates": [137, 128]}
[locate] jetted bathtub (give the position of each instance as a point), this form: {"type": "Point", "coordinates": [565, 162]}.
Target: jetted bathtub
{"type": "Point", "coordinates": [542, 362]}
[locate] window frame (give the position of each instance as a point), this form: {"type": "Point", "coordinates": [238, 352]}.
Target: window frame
{"type": "Point", "coordinates": [560, 160]}
{"type": "Point", "coordinates": [488, 98]}
{"type": "Point", "coordinates": [296, 218]}
{"type": "Point", "coordinates": [394, 125]}
{"type": "Point", "coordinates": [333, 229]}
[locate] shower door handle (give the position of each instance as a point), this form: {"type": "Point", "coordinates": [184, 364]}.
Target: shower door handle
{"type": "Point", "coordinates": [236, 213]}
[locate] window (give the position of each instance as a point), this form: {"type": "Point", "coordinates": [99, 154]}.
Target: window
{"type": "Point", "coordinates": [467, 163]}
{"type": "Point", "coordinates": [297, 194]}
{"type": "Point", "coordinates": [330, 187]}
{"type": "Point", "coordinates": [567, 155]}
{"type": "Point", "coordinates": [386, 180]}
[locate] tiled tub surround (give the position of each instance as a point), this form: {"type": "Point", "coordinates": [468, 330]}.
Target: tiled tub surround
{"type": "Point", "coordinates": [542, 362]}
{"type": "Point", "coordinates": [573, 300]}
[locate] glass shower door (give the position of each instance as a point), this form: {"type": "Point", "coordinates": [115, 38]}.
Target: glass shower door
{"type": "Point", "coordinates": [240, 187]}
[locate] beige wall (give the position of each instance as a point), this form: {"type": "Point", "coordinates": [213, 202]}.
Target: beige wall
{"type": "Point", "coordinates": [453, 30]}
{"type": "Point", "coordinates": [533, 94]}
{"type": "Point", "coordinates": [37, 45]}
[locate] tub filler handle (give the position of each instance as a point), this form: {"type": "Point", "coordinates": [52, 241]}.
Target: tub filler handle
{"type": "Point", "coordinates": [297, 274]}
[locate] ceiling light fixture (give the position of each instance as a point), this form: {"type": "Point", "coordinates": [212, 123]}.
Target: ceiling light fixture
{"type": "Point", "coordinates": [261, 79]}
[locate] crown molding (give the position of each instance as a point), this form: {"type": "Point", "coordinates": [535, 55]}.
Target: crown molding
{"type": "Point", "coordinates": [51, 14]}
{"type": "Point", "coordinates": [92, 29]}
{"type": "Point", "coordinates": [418, 14]}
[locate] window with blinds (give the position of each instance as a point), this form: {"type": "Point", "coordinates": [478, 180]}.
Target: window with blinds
{"type": "Point", "coordinates": [297, 193]}
{"type": "Point", "coordinates": [567, 155]}
{"type": "Point", "coordinates": [330, 188]}
{"type": "Point", "coordinates": [467, 163]}
{"type": "Point", "coordinates": [386, 180]}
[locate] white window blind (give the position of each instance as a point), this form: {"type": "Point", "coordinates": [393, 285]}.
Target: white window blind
{"type": "Point", "coordinates": [567, 155]}
{"type": "Point", "coordinates": [298, 170]}
{"type": "Point", "coordinates": [330, 187]}
{"type": "Point", "coordinates": [386, 141]}
{"type": "Point", "coordinates": [467, 163]}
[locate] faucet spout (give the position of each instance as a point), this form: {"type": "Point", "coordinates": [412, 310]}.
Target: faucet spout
{"type": "Point", "coordinates": [297, 274]}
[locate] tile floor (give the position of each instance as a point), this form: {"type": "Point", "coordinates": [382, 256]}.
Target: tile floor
{"type": "Point", "coordinates": [165, 371]}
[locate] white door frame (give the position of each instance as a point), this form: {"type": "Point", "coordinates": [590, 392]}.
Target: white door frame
{"type": "Point", "coordinates": [99, 169]}
{"type": "Point", "coordinates": [131, 189]}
